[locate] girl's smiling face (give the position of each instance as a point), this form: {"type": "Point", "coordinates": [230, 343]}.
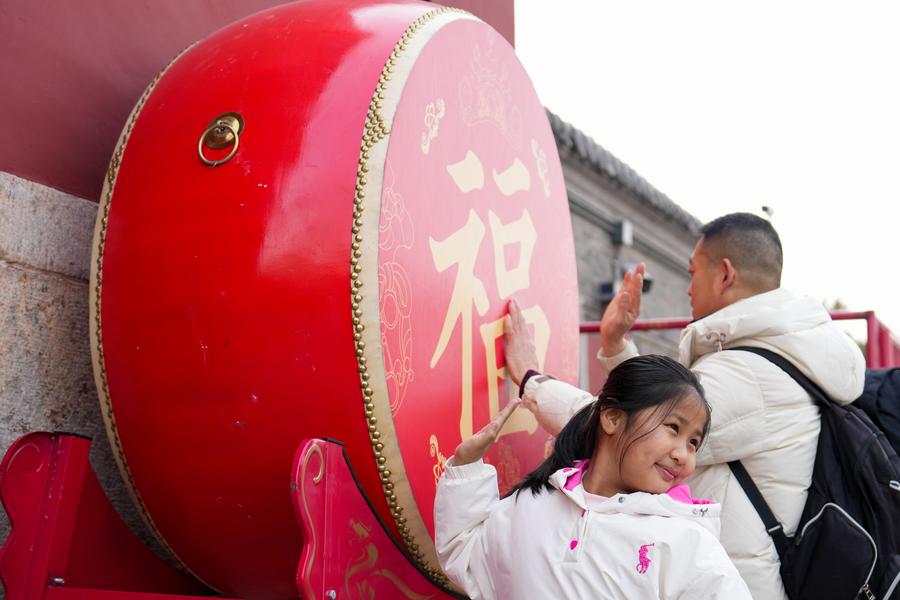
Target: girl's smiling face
{"type": "Point", "coordinates": [656, 455]}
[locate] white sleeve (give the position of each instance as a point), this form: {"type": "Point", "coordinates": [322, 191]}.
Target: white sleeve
{"type": "Point", "coordinates": [554, 402]}
{"type": "Point", "coordinates": [462, 505]}
{"type": "Point", "coordinates": [703, 571]}
{"type": "Point", "coordinates": [608, 363]}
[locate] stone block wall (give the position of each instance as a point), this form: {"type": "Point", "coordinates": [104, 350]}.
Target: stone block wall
{"type": "Point", "coordinates": [46, 378]}
{"type": "Point", "coordinates": [665, 245]}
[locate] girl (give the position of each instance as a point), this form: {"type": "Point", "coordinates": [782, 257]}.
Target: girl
{"type": "Point", "coordinates": [606, 515]}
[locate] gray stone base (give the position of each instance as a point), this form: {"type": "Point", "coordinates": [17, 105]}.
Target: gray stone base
{"type": "Point", "coordinates": [46, 379]}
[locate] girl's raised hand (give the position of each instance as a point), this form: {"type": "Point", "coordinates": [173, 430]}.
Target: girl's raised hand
{"type": "Point", "coordinates": [476, 446]}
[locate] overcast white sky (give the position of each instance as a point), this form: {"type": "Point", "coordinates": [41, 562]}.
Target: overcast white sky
{"type": "Point", "coordinates": [728, 106]}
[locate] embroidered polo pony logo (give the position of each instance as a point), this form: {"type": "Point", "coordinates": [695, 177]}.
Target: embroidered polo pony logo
{"type": "Point", "coordinates": [643, 559]}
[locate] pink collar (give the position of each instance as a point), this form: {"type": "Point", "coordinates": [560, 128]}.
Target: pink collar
{"type": "Point", "coordinates": [680, 493]}
{"type": "Point", "coordinates": [574, 474]}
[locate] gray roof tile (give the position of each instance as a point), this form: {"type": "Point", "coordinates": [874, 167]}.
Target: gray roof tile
{"type": "Point", "coordinates": [603, 162]}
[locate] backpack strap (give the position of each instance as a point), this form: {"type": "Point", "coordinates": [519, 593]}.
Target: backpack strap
{"type": "Point", "coordinates": [773, 527]}
{"type": "Point", "coordinates": [788, 367]}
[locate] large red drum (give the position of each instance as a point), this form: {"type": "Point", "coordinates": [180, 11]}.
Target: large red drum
{"type": "Point", "coordinates": [338, 268]}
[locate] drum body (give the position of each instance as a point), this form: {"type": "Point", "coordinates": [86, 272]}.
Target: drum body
{"type": "Point", "coordinates": [344, 274]}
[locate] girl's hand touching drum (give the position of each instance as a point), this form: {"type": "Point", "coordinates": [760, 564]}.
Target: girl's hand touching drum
{"type": "Point", "coordinates": [475, 447]}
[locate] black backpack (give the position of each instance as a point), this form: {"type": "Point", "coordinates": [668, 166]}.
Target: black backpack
{"type": "Point", "coordinates": [847, 544]}
{"type": "Point", "coordinates": [881, 401]}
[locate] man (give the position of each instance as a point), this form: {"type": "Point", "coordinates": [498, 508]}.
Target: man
{"type": "Point", "coordinates": [760, 416]}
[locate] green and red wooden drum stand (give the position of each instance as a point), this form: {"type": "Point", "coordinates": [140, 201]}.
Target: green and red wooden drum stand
{"type": "Point", "coordinates": [310, 230]}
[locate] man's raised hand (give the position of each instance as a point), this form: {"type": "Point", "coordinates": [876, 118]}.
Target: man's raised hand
{"type": "Point", "coordinates": [622, 311]}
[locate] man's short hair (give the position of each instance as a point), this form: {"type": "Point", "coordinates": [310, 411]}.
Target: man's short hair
{"type": "Point", "coordinates": [750, 243]}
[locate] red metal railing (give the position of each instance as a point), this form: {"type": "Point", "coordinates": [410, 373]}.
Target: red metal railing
{"type": "Point", "coordinates": [882, 349]}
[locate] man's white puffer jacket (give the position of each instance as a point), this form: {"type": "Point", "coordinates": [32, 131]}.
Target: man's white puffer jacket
{"type": "Point", "coordinates": [759, 414]}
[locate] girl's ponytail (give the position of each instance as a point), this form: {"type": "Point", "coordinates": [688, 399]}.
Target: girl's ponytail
{"type": "Point", "coordinates": [575, 442]}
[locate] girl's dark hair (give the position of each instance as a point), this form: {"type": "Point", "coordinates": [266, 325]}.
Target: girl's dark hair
{"type": "Point", "coordinates": [638, 383]}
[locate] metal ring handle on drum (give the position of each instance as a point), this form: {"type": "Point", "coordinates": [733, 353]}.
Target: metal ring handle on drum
{"type": "Point", "coordinates": [218, 124]}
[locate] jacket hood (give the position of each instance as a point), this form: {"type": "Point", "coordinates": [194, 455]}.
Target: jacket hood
{"type": "Point", "coordinates": [797, 327]}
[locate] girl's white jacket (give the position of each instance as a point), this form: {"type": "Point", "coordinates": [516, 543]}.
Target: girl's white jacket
{"type": "Point", "coordinates": [569, 544]}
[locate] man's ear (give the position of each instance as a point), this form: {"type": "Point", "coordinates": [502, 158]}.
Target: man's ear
{"type": "Point", "coordinates": [612, 420]}
{"type": "Point", "coordinates": [729, 274]}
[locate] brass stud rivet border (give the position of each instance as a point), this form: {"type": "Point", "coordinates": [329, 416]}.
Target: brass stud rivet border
{"type": "Point", "coordinates": [376, 129]}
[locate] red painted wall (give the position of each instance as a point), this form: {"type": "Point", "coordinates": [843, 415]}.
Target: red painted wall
{"type": "Point", "coordinates": [70, 73]}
